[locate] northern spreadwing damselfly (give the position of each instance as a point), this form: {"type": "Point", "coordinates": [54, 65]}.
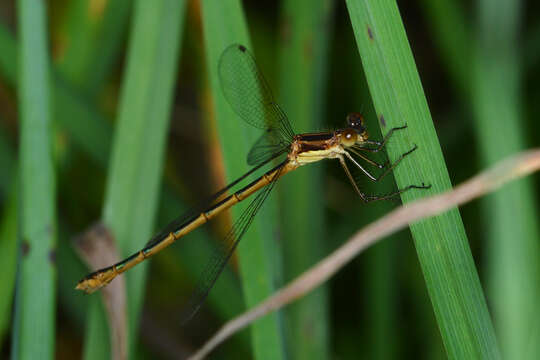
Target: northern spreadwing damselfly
{"type": "Point", "coordinates": [249, 95]}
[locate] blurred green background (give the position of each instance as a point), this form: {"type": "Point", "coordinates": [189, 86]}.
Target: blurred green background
{"type": "Point", "coordinates": [109, 112]}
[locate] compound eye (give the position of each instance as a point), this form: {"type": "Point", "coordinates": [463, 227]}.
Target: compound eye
{"type": "Point", "coordinates": [355, 120]}
{"type": "Point", "coordinates": [349, 137]}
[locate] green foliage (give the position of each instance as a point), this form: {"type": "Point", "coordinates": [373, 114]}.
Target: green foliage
{"type": "Point", "coordinates": [86, 96]}
{"type": "Point", "coordinates": [257, 249]}
{"type": "Point", "coordinates": [302, 93]}
{"type": "Point", "coordinates": [441, 242]}
{"type": "Point", "coordinates": [34, 335]}
{"type": "Point", "coordinates": [512, 213]}
{"type": "Point", "coordinates": [137, 155]}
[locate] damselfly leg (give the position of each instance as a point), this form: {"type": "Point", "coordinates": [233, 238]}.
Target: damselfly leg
{"type": "Point", "coordinates": [387, 166]}
{"type": "Point", "coordinates": [379, 144]}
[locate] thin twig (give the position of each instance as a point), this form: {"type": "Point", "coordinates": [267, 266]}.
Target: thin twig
{"type": "Point", "coordinates": [487, 181]}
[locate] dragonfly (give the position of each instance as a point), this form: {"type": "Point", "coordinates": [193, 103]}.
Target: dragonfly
{"type": "Point", "coordinates": [249, 95]}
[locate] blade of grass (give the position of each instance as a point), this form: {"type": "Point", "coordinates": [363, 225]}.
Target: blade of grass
{"type": "Point", "coordinates": [106, 46]}
{"type": "Point", "coordinates": [495, 85]}
{"type": "Point", "coordinates": [381, 290]}
{"type": "Point", "coordinates": [74, 304]}
{"type": "Point", "coordinates": [96, 342]}
{"type": "Point", "coordinates": [441, 243]}
{"type": "Point", "coordinates": [80, 23]}
{"type": "Point", "coordinates": [511, 213]}
{"type": "Point", "coordinates": [8, 265]}
{"type": "Point", "coordinates": [37, 275]}
{"type": "Point", "coordinates": [91, 131]}
{"type": "Point", "coordinates": [303, 57]}
{"type": "Point", "coordinates": [452, 33]}
{"type": "Point", "coordinates": [135, 169]}
{"type": "Point", "coordinates": [93, 35]}
{"type": "Point", "coordinates": [258, 247]}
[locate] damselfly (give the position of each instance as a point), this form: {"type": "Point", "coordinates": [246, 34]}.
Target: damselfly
{"type": "Point", "coordinates": [251, 98]}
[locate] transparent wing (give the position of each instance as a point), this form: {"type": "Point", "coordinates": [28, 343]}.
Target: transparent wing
{"type": "Point", "coordinates": [248, 93]}
{"type": "Point", "coordinates": [196, 211]}
{"type": "Point", "coordinates": [225, 250]}
{"type": "Point", "coordinates": [269, 146]}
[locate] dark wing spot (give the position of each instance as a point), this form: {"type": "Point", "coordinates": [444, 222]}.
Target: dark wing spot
{"type": "Point", "coordinates": [242, 48]}
{"type": "Point", "coordinates": [382, 120]}
{"type": "Point", "coordinates": [370, 33]}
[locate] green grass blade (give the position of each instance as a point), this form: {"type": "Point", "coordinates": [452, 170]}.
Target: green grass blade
{"type": "Point", "coordinates": [94, 33]}
{"type": "Point", "coordinates": [511, 215]}
{"type": "Point", "coordinates": [35, 328]}
{"type": "Point", "coordinates": [381, 291]}
{"type": "Point", "coordinates": [441, 243]}
{"type": "Point", "coordinates": [452, 33]}
{"type": "Point", "coordinates": [236, 137]}
{"type": "Point", "coordinates": [495, 85]}
{"type": "Point", "coordinates": [137, 158]}
{"type": "Point", "coordinates": [303, 58]}
{"type": "Point", "coordinates": [107, 46]}
{"type": "Point", "coordinates": [96, 345]}
{"type": "Point", "coordinates": [81, 20]}
{"type": "Point", "coordinates": [8, 265]}
{"type": "Point", "coordinates": [91, 131]}
{"type": "Point", "coordinates": [73, 303]}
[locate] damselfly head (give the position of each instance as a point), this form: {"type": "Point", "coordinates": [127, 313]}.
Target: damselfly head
{"type": "Point", "coordinates": [355, 120]}
{"type": "Point", "coordinates": [355, 132]}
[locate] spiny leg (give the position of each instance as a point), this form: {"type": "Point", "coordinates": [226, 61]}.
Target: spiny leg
{"type": "Point", "coordinates": [381, 144]}
{"type": "Point", "coordinates": [367, 173]}
{"type": "Point", "coordinates": [370, 198]}
{"type": "Point", "coordinates": [368, 160]}
{"type": "Point", "coordinates": [388, 169]}
{"type": "Point", "coordinates": [392, 166]}
{"type": "Point", "coordinates": [344, 165]}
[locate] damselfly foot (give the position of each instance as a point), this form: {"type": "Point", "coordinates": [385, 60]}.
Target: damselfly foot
{"type": "Point", "coordinates": [394, 195]}
{"type": "Point", "coordinates": [380, 144]}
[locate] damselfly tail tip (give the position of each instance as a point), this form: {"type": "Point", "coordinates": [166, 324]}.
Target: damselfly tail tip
{"type": "Point", "coordinates": [96, 280]}
{"type": "Point", "coordinates": [87, 286]}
